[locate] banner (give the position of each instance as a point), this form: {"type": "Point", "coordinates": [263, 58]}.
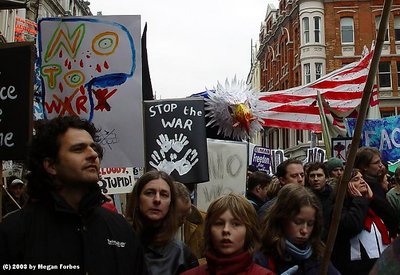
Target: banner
{"type": "Point", "coordinates": [16, 101]}
{"type": "Point", "coordinates": [91, 67]}
{"type": "Point", "coordinates": [176, 139]}
{"type": "Point", "coordinates": [383, 134]}
{"type": "Point", "coordinates": [227, 168]}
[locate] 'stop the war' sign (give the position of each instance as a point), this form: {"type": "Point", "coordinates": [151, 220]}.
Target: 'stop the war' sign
{"type": "Point", "coordinates": [176, 139]}
{"type": "Point", "coordinates": [16, 93]}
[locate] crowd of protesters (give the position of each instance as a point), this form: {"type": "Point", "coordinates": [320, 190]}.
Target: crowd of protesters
{"type": "Point", "coordinates": [57, 218]}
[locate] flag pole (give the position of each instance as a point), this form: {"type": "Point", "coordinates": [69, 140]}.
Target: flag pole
{"type": "Point", "coordinates": [342, 188]}
{"type": "Point", "coordinates": [325, 131]}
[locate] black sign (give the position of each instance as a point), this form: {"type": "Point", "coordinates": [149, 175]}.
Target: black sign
{"type": "Point", "coordinates": [176, 139]}
{"type": "Point", "coordinates": [16, 93]}
{"type": "Point", "coordinates": [12, 4]}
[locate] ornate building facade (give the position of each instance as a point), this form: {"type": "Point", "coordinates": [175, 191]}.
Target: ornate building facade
{"type": "Point", "coordinates": [304, 39]}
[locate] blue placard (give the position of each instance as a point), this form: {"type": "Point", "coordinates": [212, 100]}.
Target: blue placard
{"type": "Point", "coordinates": [261, 159]}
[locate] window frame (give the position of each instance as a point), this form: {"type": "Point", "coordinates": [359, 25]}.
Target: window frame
{"type": "Point", "coordinates": [344, 32]}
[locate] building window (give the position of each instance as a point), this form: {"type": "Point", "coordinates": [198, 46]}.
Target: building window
{"type": "Point", "coordinates": [398, 73]}
{"type": "Point", "coordinates": [317, 29]}
{"type": "Point", "coordinates": [307, 73]}
{"type": "Point", "coordinates": [318, 70]}
{"type": "Point", "coordinates": [306, 30]}
{"type": "Point", "coordinates": [384, 75]}
{"type": "Point", "coordinates": [397, 28]}
{"type": "Point", "coordinates": [377, 21]}
{"type": "Point", "coordinates": [347, 30]}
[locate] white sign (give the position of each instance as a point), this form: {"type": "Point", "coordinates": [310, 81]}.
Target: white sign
{"type": "Point", "coordinates": [227, 164]}
{"type": "Point", "coordinates": [118, 180]}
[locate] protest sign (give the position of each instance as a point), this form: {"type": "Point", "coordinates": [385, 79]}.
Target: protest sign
{"type": "Point", "coordinates": [315, 155]}
{"type": "Point", "coordinates": [117, 180]}
{"type": "Point", "coordinates": [277, 157]}
{"type": "Point", "coordinates": [340, 147]}
{"type": "Point", "coordinates": [16, 89]}
{"type": "Point", "coordinates": [176, 138]}
{"type": "Point", "coordinates": [261, 159]}
{"type": "Point", "coordinates": [227, 168]}
{"type": "Point", "coordinates": [91, 67]}
{"type": "Point", "coordinates": [383, 134]}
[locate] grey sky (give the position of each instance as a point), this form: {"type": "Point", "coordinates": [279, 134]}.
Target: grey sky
{"type": "Point", "coordinates": [193, 44]}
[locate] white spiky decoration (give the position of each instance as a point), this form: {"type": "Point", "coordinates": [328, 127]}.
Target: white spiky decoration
{"type": "Point", "coordinates": [233, 109]}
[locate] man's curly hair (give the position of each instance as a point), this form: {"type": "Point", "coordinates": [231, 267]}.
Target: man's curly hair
{"type": "Point", "coordinates": [45, 144]}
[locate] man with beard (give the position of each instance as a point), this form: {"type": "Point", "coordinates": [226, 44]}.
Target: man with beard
{"type": "Point", "coordinates": [63, 227]}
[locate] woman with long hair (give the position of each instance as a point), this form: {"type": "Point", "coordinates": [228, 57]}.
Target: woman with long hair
{"type": "Point", "coordinates": [152, 212]}
{"type": "Point", "coordinates": [291, 234]}
{"type": "Point", "coordinates": [365, 228]}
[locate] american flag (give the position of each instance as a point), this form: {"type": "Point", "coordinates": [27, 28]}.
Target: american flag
{"type": "Point", "coordinates": [297, 108]}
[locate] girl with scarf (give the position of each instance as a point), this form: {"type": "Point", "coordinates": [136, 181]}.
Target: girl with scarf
{"type": "Point", "coordinates": [231, 235]}
{"type": "Point", "coordinates": [365, 228]}
{"type": "Point", "coordinates": [291, 236]}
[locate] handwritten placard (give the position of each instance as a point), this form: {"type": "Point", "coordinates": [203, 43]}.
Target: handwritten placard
{"type": "Point", "coordinates": [16, 89]}
{"type": "Point", "coordinates": [91, 67]}
{"type": "Point", "coordinates": [176, 139]}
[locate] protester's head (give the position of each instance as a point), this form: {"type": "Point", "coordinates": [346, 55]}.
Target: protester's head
{"type": "Point", "coordinates": [273, 188]}
{"type": "Point", "coordinates": [183, 203]}
{"type": "Point", "coordinates": [368, 160]}
{"type": "Point", "coordinates": [383, 179]}
{"type": "Point", "coordinates": [258, 184]}
{"type": "Point", "coordinates": [63, 153]}
{"type": "Point", "coordinates": [397, 176]}
{"type": "Point", "coordinates": [290, 171]}
{"type": "Point", "coordinates": [334, 167]}
{"type": "Point", "coordinates": [152, 207]}
{"type": "Point", "coordinates": [16, 188]}
{"type": "Point", "coordinates": [296, 216]}
{"type": "Point", "coordinates": [357, 183]}
{"type": "Point", "coordinates": [231, 218]}
{"type": "Point", "coordinates": [317, 176]}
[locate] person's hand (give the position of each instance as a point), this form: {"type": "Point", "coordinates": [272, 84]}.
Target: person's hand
{"type": "Point", "coordinates": [369, 193]}
{"type": "Point", "coordinates": [353, 190]}
{"type": "Point", "coordinates": [291, 270]}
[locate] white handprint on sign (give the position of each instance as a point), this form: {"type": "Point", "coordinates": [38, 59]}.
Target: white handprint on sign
{"type": "Point", "coordinates": [182, 166]}
{"type": "Point", "coordinates": [179, 143]}
{"type": "Point", "coordinates": [185, 164]}
{"type": "Point", "coordinates": [164, 143]}
{"type": "Point", "coordinates": [162, 164]}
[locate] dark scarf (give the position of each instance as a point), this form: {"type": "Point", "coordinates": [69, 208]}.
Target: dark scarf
{"type": "Point", "coordinates": [230, 265]}
{"type": "Point", "coordinates": [373, 218]}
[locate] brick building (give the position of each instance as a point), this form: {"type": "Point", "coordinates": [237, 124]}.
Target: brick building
{"type": "Point", "coordinates": [305, 39]}
{"type": "Point", "coordinates": [18, 18]}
